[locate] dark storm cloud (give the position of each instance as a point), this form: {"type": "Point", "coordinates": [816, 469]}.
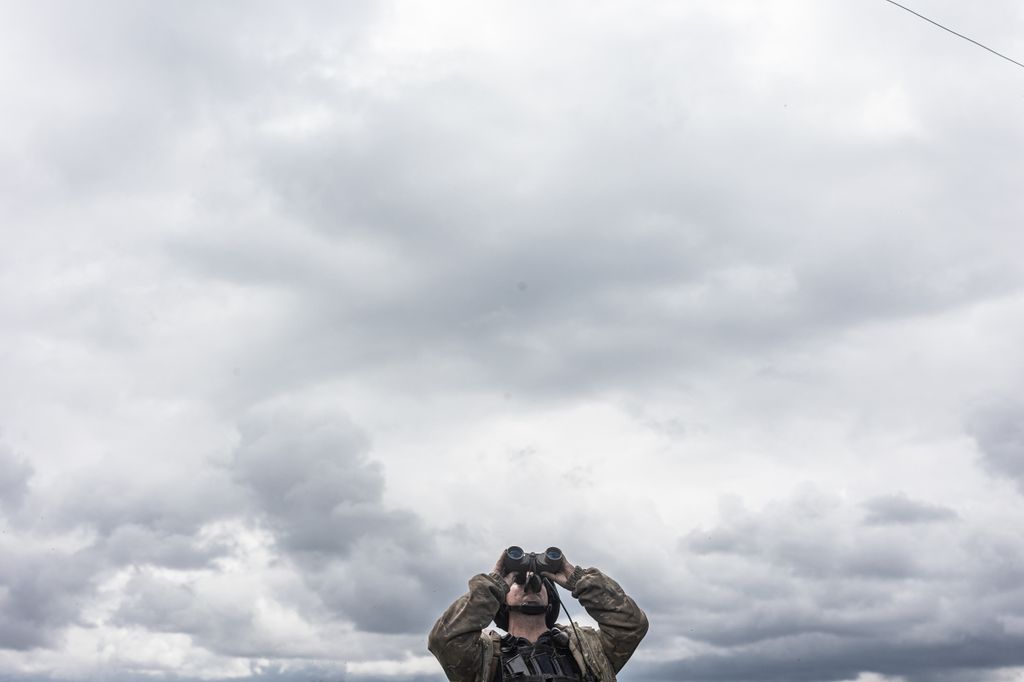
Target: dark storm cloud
{"type": "Point", "coordinates": [817, 659]}
{"type": "Point", "coordinates": [999, 433]}
{"type": "Point", "coordinates": [386, 590]}
{"type": "Point", "coordinates": [806, 590]}
{"type": "Point", "coordinates": [44, 587]}
{"type": "Point", "coordinates": [318, 490]}
{"type": "Point", "coordinates": [310, 480]}
{"type": "Point", "coordinates": [900, 509]}
{"type": "Point", "coordinates": [41, 592]}
{"type": "Point", "coordinates": [314, 481]}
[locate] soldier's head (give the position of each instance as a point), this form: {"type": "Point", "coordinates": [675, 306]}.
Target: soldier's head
{"type": "Point", "coordinates": [537, 598]}
{"type": "Point", "coordinates": [520, 594]}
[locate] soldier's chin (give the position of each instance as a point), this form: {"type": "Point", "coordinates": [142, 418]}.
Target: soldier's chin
{"type": "Point", "coordinates": [532, 609]}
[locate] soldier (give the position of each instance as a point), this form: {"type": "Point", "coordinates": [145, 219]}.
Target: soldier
{"type": "Point", "coordinates": [535, 649]}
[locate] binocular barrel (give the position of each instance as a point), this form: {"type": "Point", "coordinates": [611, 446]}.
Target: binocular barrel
{"type": "Point", "coordinates": [520, 562]}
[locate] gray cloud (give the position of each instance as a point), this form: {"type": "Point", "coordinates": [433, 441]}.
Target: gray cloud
{"type": "Point", "coordinates": [804, 590]}
{"type": "Point", "coordinates": [15, 473]}
{"type": "Point", "coordinates": [272, 672]}
{"type": "Point", "coordinates": [999, 433]}
{"type": "Point", "coordinates": [154, 79]}
{"type": "Point", "coordinates": [217, 618]}
{"type": "Point", "coordinates": [42, 593]}
{"type": "Point", "coordinates": [818, 658]}
{"type": "Point", "coordinates": [43, 588]}
{"type": "Point", "coordinates": [308, 479]}
{"type": "Point", "coordinates": [315, 483]}
{"type": "Point", "coordinates": [211, 208]}
{"type": "Point", "coordinates": [178, 502]}
{"type": "Point", "coordinates": [132, 544]}
{"type": "Point", "coordinates": [900, 509]}
{"type": "Point", "coordinates": [321, 494]}
{"type": "Point", "coordinates": [614, 256]}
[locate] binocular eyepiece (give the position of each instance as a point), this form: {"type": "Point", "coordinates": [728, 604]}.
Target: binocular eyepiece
{"type": "Point", "coordinates": [519, 562]}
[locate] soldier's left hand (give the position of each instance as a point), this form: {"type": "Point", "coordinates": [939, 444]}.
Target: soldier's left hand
{"type": "Point", "coordinates": [562, 577]}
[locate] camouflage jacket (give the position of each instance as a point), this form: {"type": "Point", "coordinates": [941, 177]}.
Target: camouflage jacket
{"type": "Point", "coordinates": [469, 655]}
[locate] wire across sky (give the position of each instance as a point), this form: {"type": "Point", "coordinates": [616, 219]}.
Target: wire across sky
{"type": "Point", "coordinates": [944, 28]}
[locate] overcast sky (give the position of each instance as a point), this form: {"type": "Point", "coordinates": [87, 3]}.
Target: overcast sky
{"type": "Point", "coordinates": [309, 309]}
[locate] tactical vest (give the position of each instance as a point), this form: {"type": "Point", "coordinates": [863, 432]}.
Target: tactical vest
{"type": "Point", "coordinates": [543, 661]}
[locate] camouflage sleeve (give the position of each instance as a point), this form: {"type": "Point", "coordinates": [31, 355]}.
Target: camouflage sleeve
{"type": "Point", "coordinates": [621, 622]}
{"type": "Point", "coordinates": [455, 638]}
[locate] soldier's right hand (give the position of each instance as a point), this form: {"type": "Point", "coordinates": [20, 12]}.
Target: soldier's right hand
{"type": "Point", "coordinates": [499, 566]}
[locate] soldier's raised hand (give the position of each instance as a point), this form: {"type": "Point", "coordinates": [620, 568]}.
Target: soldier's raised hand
{"type": "Point", "coordinates": [562, 577]}
{"type": "Point", "coordinates": [499, 566]}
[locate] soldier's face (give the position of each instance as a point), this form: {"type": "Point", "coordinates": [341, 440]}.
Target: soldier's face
{"type": "Point", "coordinates": [517, 595]}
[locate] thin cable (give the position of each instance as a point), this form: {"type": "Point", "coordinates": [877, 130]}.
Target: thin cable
{"type": "Point", "coordinates": [583, 655]}
{"type": "Point", "coordinates": [961, 35]}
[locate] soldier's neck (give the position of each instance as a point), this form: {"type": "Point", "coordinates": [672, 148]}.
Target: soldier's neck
{"type": "Point", "coordinates": [527, 627]}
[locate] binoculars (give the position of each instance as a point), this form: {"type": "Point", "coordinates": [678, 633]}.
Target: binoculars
{"type": "Point", "coordinates": [519, 562]}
